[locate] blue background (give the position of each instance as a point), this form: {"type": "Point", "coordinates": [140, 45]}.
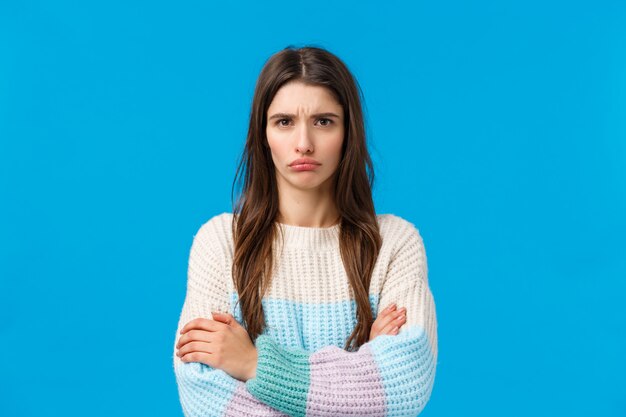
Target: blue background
{"type": "Point", "coordinates": [497, 128]}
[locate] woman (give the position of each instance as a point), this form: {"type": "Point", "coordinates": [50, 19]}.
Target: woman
{"type": "Point", "coordinates": [282, 293]}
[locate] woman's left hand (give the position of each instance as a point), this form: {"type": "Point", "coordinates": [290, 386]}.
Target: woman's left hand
{"type": "Point", "coordinates": [221, 343]}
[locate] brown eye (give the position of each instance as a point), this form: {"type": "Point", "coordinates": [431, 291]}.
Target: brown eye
{"type": "Point", "coordinates": [326, 120]}
{"type": "Point", "coordinates": [280, 122]}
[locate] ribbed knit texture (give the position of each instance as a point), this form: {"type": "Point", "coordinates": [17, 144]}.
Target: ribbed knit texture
{"type": "Point", "coordinates": [310, 313]}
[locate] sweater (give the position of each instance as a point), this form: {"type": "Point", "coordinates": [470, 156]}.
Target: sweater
{"type": "Point", "coordinates": [310, 312]}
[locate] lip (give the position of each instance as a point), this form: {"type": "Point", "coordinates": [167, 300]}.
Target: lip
{"type": "Point", "coordinates": [304, 167]}
{"type": "Point", "coordinates": [304, 161]}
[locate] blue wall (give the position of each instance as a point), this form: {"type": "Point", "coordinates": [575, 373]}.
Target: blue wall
{"type": "Point", "coordinates": [498, 129]}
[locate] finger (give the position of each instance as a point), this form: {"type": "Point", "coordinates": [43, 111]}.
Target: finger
{"type": "Point", "coordinates": [386, 311]}
{"type": "Point", "coordinates": [194, 335]}
{"type": "Point", "coordinates": [199, 347]}
{"type": "Point", "coordinates": [205, 358]}
{"type": "Point", "coordinates": [384, 321]}
{"type": "Point", "coordinates": [202, 324]}
{"type": "Point", "coordinates": [397, 321]}
{"type": "Point", "coordinates": [380, 319]}
{"type": "Point", "coordinates": [222, 317]}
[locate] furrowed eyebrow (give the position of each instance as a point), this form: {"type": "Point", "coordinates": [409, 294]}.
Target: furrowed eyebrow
{"type": "Point", "coordinates": [293, 116]}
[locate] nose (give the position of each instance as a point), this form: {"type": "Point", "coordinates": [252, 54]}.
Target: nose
{"type": "Point", "coordinates": [304, 144]}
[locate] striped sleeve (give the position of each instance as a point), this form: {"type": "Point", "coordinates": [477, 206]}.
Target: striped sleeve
{"type": "Point", "coordinates": [392, 375]}
{"type": "Point", "coordinates": [205, 391]}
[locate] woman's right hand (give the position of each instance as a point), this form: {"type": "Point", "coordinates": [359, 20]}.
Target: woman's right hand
{"type": "Point", "coordinates": [388, 321]}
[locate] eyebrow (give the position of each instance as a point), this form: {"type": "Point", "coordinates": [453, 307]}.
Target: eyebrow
{"type": "Point", "coordinates": [290, 115]}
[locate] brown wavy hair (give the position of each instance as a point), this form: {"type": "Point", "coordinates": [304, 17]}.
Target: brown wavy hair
{"type": "Point", "coordinates": [255, 212]}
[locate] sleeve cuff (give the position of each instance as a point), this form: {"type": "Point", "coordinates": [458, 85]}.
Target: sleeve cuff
{"type": "Point", "coordinates": [282, 376]}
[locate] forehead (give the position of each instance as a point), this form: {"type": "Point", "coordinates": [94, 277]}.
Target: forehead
{"type": "Point", "coordinates": [296, 94]}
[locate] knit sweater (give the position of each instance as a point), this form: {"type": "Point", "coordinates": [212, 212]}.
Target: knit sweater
{"type": "Point", "coordinates": [310, 312]}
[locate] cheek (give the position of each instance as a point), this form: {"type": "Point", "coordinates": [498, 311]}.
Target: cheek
{"type": "Point", "coordinates": [335, 148]}
{"type": "Point", "coordinates": [277, 151]}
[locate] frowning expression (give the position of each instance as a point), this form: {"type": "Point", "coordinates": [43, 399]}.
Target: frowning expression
{"type": "Point", "coordinates": [305, 132]}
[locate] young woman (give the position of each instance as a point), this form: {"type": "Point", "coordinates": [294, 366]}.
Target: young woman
{"type": "Point", "coordinates": [286, 305]}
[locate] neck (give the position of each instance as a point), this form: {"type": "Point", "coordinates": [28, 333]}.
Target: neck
{"type": "Point", "coordinates": [307, 208]}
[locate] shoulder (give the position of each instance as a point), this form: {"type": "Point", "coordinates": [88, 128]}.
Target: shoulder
{"type": "Point", "coordinates": [215, 232]}
{"type": "Point", "coordinates": [207, 273]}
{"type": "Point", "coordinates": [397, 231]}
{"type": "Point", "coordinates": [404, 245]}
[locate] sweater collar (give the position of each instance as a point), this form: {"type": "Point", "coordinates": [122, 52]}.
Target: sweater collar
{"type": "Point", "coordinates": [312, 238]}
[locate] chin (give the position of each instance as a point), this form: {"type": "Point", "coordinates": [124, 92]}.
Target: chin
{"type": "Point", "coordinates": [306, 184]}
{"type": "Point", "coordinates": [305, 181]}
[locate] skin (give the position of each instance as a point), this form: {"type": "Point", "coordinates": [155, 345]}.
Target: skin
{"type": "Point", "coordinates": [300, 125]}
{"type": "Point", "coordinates": [388, 321]}
{"type": "Point", "coordinates": [224, 344]}
{"type": "Point", "coordinates": [303, 121]}
{"type": "Point", "coordinates": [221, 343]}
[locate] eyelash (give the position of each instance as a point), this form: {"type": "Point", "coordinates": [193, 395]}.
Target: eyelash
{"type": "Point", "coordinates": [278, 122]}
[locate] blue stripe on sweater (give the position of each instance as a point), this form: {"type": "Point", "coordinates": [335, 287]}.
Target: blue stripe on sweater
{"type": "Point", "coordinates": [308, 326]}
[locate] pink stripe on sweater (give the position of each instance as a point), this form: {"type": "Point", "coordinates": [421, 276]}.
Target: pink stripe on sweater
{"type": "Point", "coordinates": [364, 392]}
{"type": "Point", "coordinates": [242, 403]}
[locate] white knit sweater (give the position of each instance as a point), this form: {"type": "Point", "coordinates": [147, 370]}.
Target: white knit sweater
{"type": "Point", "coordinates": [310, 311]}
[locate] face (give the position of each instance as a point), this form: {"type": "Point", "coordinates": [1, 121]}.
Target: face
{"type": "Point", "coordinates": [305, 121]}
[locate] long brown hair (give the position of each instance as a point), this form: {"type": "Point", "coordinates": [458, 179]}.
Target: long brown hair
{"type": "Point", "coordinates": [254, 221]}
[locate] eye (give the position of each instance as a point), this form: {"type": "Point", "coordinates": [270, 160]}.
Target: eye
{"type": "Point", "coordinates": [279, 122]}
{"type": "Point", "coordinates": [329, 122]}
